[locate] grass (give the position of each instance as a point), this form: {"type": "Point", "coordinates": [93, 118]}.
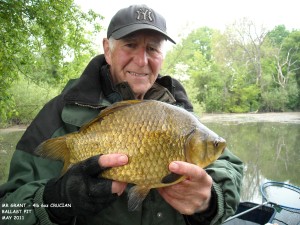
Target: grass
{"type": "Point", "coordinates": [8, 141]}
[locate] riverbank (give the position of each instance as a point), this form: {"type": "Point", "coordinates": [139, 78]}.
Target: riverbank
{"type": "Point", "coordinates": [13, 128]}
{"type": "Point", "coordinates": [285, 117]}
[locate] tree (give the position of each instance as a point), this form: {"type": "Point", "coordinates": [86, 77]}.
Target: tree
{"type": "Point", "coordinates": [277, 35]}
{"type": "Point", "coordinates": [194, 54]}
{"type": "Point", "coordinates": [38, 39]}
{"type": "Point", "coordinates": [291, 47]}
{"type": "Point", "coordinates": [249, 38]}
{"type": "Point", "coordinates": [197, 40]}
{"type": "Point", "coordinates": [238, 59]}
{"type": "Point", "coordinates": [281, 92]}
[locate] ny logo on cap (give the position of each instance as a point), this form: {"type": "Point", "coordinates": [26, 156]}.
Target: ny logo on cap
{"type": "Point", "coordinates": [144, 14]}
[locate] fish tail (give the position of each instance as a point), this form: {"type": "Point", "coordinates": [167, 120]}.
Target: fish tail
{"type": "Point", "coordinates": [136, 196]}
{"type": "Point", "coordinates": [55, 148]}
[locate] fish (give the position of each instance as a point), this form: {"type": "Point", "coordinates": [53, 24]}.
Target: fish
{"type": "Point", "coordinates": [151, 133]}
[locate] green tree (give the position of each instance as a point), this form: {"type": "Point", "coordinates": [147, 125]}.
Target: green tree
{"type": "Point", "coordinates": [197, 40]}
{"type": "Point", "coordinates": [277, 35]}
{"type": "Point", "coordinates": [236, 68]}
{"type": "Point", "coordinates": [280, 90]}
{"type": "Point", "coordinates": [249, 38]}
{"type": "Point", "coordinates": [39, 40]}
{"type": "Point", "coordinates": [291, 47]}
{"type": "Point", "coordinates": [201, 75]}
{"type": "Point", "coordinates": [244, 69]}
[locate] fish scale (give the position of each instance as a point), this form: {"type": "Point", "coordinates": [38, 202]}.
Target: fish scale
{"type": "Point", "coordinates": [151, 133]}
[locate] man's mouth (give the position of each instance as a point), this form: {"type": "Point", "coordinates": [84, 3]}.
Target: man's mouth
{"type": "Point", "coordinates": [137, 74]}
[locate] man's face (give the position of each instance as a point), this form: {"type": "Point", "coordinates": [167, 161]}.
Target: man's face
{"type": "Point", "coordinates": [136, 59]}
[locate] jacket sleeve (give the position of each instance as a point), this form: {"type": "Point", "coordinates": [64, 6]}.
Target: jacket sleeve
{"type": "Point", "coordinates": [227, 174]}
{"type": "Point", "coordinates": [21, 196]}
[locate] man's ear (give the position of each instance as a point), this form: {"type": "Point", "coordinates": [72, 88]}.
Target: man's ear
{"type": "Point", "coordinates": [107, 52]}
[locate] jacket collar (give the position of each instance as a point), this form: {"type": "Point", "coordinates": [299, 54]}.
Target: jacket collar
{"type": "Point", "coordinates": [87, 89]}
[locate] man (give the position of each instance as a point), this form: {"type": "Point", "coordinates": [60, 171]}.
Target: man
{"type": "Point", "coordinates": [129, 69]}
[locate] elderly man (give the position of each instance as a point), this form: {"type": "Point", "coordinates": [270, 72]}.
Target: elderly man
{"type": "Point", "coordinates": [129, 69]}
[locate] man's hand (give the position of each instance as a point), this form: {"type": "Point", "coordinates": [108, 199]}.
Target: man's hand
{"type": "Point", "coordinates": [83, 188]}
{"type": "Point", "coordinates": [193, 194]}
{"type": "Point", "coordinates": [114, 160]}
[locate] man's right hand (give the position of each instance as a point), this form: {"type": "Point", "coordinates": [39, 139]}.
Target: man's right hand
{"type": "Point", "coordinates": [83, 188]}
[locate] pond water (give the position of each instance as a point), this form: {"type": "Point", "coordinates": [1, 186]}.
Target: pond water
{"type": "Point", "coordinates": [269, 146]}
{"type": "Point", "coordinates": [269, 150]}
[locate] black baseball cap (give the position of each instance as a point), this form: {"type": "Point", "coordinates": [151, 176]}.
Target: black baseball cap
{"type": "Point", "coordinates": [134, 18]}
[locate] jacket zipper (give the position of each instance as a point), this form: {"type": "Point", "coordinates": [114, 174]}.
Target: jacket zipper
{"type": "Point", "coordinates": [89, 106]}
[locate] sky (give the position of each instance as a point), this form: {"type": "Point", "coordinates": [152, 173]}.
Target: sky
{"type": "Point", "coordinates": [185, 15]}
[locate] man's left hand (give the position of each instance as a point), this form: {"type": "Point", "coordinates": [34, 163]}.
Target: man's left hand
{"type": "Point", "coordinates": [193, 194]}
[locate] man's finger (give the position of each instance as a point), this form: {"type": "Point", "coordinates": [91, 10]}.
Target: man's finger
{"type": "Point", "coordinates": [186, 169]}
{"type": "Point", "coordinates": [112, 160]}
{"type": "Point", "coordinates": [118, 187]}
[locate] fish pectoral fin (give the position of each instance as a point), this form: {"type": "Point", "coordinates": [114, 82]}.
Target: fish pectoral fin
{"type": "Point", "coordinates": [136, 196]}
{"type": "Point", "coordinates": [170, 178]}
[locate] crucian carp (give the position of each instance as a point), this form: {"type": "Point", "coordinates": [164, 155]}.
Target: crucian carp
{"type": "Point", "coordinates": [151, 133]}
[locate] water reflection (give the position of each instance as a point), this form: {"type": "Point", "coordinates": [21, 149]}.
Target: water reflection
{"type": "Point", "coordinates": [270, 151]}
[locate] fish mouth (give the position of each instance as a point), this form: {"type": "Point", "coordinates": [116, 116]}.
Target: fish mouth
{"type": "Point", "coordinates": [220, 142]}
{"type": "Point", "coordinates": [137, 74]}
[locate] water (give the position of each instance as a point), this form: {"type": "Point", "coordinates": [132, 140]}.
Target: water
{"type": "Point", "coordinates": [270, 151]}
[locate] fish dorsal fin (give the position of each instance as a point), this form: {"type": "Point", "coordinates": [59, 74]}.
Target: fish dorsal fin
{"type": "Point", "coordinates": [111, 109]}
{"type": "Point", "coordinates": [118, 106]}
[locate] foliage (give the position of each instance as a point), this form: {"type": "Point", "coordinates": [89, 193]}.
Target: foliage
{"type": "Point", "coordinates": [284, 70]}
{"type": "Point", "coordinates": [274, 100]}
{"type": "Point", "coordinates": [181, 74]}
{"type": "Point", "coordinates": [29, 98]}
{"type": "Point", "coordinates": [44, 41]}
{"type": "Point", "coordinates": [277, 35]}
{"type": "Point", "coordinates": [244, 69]}
{"type": "Point", "coordinates": [291, 46]}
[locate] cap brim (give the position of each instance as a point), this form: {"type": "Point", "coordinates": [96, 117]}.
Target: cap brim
{"type": "Point", "coordinates": [124, 31]}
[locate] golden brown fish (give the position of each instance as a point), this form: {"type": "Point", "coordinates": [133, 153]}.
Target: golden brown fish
{"type": "Point", "coordinates": [151, 133]}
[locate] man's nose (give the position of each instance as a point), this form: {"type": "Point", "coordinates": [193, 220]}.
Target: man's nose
{"type": "Point", "coordinates": [141, 57]}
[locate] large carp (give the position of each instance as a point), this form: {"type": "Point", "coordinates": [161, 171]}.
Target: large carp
{"type": "Point", "coordinates": [151, 133]}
